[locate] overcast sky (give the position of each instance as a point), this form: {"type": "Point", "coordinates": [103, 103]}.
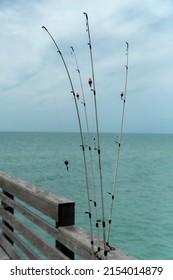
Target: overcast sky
{"type": "Point", "coordinates": [34, 89]}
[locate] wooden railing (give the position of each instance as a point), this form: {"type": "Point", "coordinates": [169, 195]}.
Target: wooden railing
{"type": "Point", "coordinates": [36, 224]}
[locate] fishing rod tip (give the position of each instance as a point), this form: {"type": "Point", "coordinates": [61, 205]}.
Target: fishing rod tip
{"type": "Point", "coordinates": [44, 27]}
{"type": "Point", "coordinates": [85, 15]}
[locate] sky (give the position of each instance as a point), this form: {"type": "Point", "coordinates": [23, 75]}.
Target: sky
{"type": "Point", "coordinates": [35, 93]}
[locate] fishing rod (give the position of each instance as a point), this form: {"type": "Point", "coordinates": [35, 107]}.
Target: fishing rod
{"type": "Point", "coordinates": [97, 132]}
{"type": "Point", "coordinates": [89, 142]}
{"type": "Point", "coordinates": [119, 142]}
{"type": "Point", "coordinates": [81, 136]}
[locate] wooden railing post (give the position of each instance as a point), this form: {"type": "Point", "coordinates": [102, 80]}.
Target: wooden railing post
{"type": "Point", "coordinates": [66, 217]}
{"type": "Point", "coordinates": [11, 210]}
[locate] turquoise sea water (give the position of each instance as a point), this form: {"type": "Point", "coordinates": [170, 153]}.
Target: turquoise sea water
{"type": "Point", "coordinates": [142, 222]}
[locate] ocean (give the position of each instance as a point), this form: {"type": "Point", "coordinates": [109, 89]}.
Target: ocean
{"type": "Point", "coordinates": [142, 223]}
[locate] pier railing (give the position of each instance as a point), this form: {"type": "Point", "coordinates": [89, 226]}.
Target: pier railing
{"type": "Point", "coordinates": [36, 224]}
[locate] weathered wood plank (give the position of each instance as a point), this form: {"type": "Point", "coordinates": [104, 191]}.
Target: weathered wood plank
{"type": "Point", "coordinates": [78, 241]}
{"type": "Point", "coordinates": [31, 216]}
{"type": "Point", "coordinates": [36, 197]}
{"type": "Point", "coordinates": [40, 222]}
{"type": "Point", "coordinates": [44, 247]}
{"type": "Point", "coordinates": [26, 250]}
{"type": "Point", "coordinates": [9, 249]}
{"type": "Point", "coordinates": [118, 255]}
{"type": "Point", "coordinates": [3, 255]}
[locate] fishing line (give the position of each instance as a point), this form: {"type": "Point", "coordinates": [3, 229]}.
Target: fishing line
{"type": "Point", "coordinates": [81, 136]}
{"type": "Point", "coordinates": [88, 143]}
{"type": "Point", "coordinates": [93, 89]}
{"type": "Point", "coordinates": [119, 142]}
